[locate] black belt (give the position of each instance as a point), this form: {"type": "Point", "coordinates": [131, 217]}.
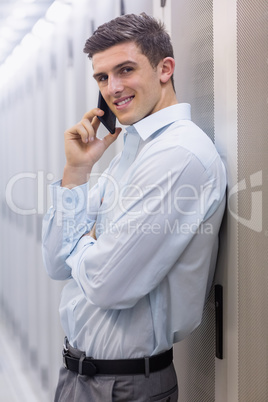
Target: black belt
{"type": "Point", "coordinates": [89, 366]}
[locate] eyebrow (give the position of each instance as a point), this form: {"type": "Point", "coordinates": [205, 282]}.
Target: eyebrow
{"type": "Point", "coordinates": [117, 67]}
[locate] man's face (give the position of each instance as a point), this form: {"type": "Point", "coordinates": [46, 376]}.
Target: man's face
{"type": "Point", "coordinates": [128, 82]}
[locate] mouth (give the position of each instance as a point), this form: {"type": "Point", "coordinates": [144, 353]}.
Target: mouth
{"type": "Point", "coordinates": [122, 102]}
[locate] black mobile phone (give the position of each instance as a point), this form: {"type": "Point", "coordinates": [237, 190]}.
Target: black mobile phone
{"type": "Point", "coordinates": [108, 119]}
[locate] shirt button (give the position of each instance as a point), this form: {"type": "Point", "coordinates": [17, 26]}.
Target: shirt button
{"type": "Point", "coordinates": [73, 302]}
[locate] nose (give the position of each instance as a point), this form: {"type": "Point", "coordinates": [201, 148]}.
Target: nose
{"type": "Point", "coordinates": [114, 85]}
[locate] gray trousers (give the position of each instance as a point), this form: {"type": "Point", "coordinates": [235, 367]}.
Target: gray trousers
{"type": "Point", "coordinates": [160, 386]}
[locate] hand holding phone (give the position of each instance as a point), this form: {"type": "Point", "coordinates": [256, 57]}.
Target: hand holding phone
{"type": "Point", "coordinates": [83, 148]}
{"type": "Point", "coordinates": [109, 118]}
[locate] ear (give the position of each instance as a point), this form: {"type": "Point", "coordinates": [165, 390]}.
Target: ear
{"type": "Point", "coordinates": [167, 69]}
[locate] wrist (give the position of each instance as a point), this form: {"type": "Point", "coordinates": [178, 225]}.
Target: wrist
{"type": "Point", "coordinates": [75, 175]}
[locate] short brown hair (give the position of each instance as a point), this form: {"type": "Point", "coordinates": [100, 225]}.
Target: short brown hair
{"type": "Point", "coordinates": [148, 33]}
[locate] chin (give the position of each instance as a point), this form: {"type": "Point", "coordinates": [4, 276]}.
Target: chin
{"type": "Point", "coordinates": [128, 120]}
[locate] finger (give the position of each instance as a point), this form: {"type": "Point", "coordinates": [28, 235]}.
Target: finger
{"type": "Point", "coordinates": [76, 132]}
{"type": "Point", "coordinates": [110, 138]}
{"type": "Point", "coordinates": [91, 133]}
{"type": "Point", "coordinates": [92, 117]}
{"type": "Point", "coordinates": [92, 113]}
{"type": "Point", "coordinates": [95, 124]}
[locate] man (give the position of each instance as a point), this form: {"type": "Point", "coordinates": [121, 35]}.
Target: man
{"type": "Point", "coordinates": [139, 247]}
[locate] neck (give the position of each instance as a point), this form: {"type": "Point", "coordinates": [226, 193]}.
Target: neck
{"type": "Point", "coordinates": [168, 97]}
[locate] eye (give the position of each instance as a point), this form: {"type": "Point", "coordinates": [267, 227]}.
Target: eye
{"type": "Point", "coordinates": [126, 70]}
{"type": "Point", "coordinates": [102, 78]}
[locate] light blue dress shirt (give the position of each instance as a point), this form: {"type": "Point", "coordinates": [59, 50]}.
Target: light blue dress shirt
{"type": "Point", "coordinates": [142, 285]}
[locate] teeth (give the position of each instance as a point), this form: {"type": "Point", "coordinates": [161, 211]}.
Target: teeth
{"type": "Point", "coordinates": [124, 101]}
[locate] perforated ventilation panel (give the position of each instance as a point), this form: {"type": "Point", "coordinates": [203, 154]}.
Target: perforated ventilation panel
{"type": "Point", "coordinates": [192, 34]}
{"type": "Point", "coordinates": [193, 47]}
{"type": "Point", "coordinates": [252, 85]}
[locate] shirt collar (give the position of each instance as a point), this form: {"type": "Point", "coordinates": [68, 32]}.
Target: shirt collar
{"type": "Point", "coordinates": [150, 124]}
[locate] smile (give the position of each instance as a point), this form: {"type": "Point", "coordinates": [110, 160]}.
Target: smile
{"type": "Point", "coordinates": [124, 101]}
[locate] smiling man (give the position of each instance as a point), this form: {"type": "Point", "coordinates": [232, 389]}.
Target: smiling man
{"type": "Point", "coordinates": [133, 88]}
{"type": "Point", "coordinates": [139, 248]}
